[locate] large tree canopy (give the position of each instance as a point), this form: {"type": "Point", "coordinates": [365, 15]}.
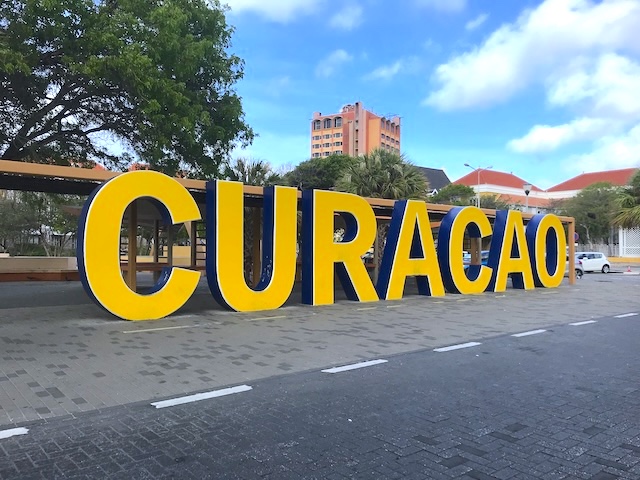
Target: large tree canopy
{"type": "Point", "coordinates": [593, 208]}
{"type": "Point", "coordinates": [384, 174]}
{"type": "Point", "coordinates": [151, 75]}
{"type": "Point", "coordinates": [321, 172]}
{"type": "Point", "coordinates": [628, 204]}
{"type": "Point", "coordinates": [454, 194]}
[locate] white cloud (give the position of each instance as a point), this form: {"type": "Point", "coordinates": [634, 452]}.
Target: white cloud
{"type": "Point", "coordinates": [608, 86]}
{"type": "Point", "coordinates": [611, 152]}
{"type": "Point", "coordinates": [545, 138]}
{"type": "Point", "coordinates": [330, 64]}
{"type": "Point", "coordinates": [541, 41]}
{"type": "Point", "coordinates": [276, 86]}
{"type": "Point", "coordinates": [387, 72]}
{"type": "Point", "coordinates": [476, 22]}
{"type": "Point", "coordinates": [277, 148]}
{"type": "Point", "coordinates": [348, 18]}
{"type": "Point", "coordinates": [443, 5]}
{"type": "Point", "coordinates": [278, 11]}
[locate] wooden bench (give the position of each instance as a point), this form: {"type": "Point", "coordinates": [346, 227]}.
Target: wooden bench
{"type": "Point", "coordinates": [41, 276]}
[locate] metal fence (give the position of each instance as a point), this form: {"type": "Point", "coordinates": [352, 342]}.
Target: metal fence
{"type": "Point", "coordinates": [610, 250]}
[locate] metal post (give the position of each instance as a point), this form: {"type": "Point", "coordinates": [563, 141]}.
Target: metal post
{"type": "Point", "coordinates": [572, 252]}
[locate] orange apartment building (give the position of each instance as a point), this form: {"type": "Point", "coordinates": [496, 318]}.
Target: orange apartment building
{"type": "Point", "coordinates": [354, 131]}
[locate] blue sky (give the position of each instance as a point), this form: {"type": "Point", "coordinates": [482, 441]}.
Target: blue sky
{"type": "Point", "coordinates": [544, 89]}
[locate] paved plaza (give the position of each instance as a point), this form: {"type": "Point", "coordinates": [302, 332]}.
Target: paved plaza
{"type": "Point", "coordinates": [561, 402]}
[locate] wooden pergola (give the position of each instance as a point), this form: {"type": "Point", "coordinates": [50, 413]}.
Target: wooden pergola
{"type": "Point", "coordinates": [22, 176]}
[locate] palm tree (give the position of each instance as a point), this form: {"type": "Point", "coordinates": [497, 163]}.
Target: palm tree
{"type": "Point", "coordinates": [628, 203]}
{"type": "Point", "coordinates": [384, 174]}
{"type": "Point", "coordinates": [251, 172]}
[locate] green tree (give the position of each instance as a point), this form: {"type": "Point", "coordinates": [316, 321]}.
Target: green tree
{"type": "Point", "coordinates": [251, 172]}
{"type": "Point", "coordinates": [321, 172]}
{"type": "Point", "coordinates": [152, 75]}
{"type": "Point", "coordinates": [28, 215]}
{"type": "Point", "coordinates": [454, 194]}
{"type": "Point", "coordinates": [628, 204]}
{"type": "Point", "coordinates": [384, 174]}
{"type": "Point", "coordinates": [594, 209]}
{"type": "Point", "coordinates": [493, 202]}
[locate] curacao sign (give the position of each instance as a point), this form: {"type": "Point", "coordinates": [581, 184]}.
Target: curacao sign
{"type": "Point", "coordinates": [532, 256]}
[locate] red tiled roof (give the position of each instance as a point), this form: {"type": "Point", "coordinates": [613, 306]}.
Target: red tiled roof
{"type": "Point", "coordinates": [493, 177]}
{"type": "Point", "coordinates": [615, 177]}
{"type": "Point", "coordinates": [522, 200]}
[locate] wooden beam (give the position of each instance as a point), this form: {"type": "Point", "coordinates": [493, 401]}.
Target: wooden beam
{"type": "Point", "coordinates": [54, 172]}
{"type": "Point", "coordinates": [193, 234]}
{"type": "Point", "coordinates": [132, 248]}
{"type": "Point", "coordinates": [156, 247]}
{"type": "Point", "coordinates": [475, 248]}
{"type": "Point", "coordinates": [170, 245]}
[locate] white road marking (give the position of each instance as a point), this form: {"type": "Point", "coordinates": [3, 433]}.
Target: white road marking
{"type": "Point", "coordinates": [12, 432]}
{"type": "Point", "coordinates": [624, 315]}
{"type": "Point", "coordinates": [366, 308]}
{"type": "Point", "coordinates": [267, 318]}
{"type": "Point", "coordinates": [201, 396]}
{"type": "Point", "coordinates": [354, 366]}
{"type": "Point", "coordinates": [159, 329]}
{"type": "Point", "coordinates": [577, 324]}
{"type": "Point", "coordinates": [457, 347]}
{"type": "Point", "coordinates": [526, 334]}
{"type": "Point", "coordinates": [395, 306]}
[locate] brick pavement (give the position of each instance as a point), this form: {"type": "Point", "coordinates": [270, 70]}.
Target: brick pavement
{"type": "Point", "coordinates": [61, 359]}
{"type": "Point", "coordinates": [563, 404]}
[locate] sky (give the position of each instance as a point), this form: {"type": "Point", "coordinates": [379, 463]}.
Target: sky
{"type": "Point", "coordinates": [545, 90]}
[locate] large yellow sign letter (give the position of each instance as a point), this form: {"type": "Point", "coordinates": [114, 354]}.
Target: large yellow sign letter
{"type": "Point", "coordinates": [409, 251]}
{"type": "Point", "coordinates": [322, 255]}
{"type": "Point", "coordinates": [99, 246]}
{"type": "Point", "coordinates": [509, 255]}
{"type": "Point", "coordinates": [457, 279]}
{"type": "Point", "coordinates": [225, 247]}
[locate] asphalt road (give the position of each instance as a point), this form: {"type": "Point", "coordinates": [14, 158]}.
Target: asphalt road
{"type": "Point", "coordinates": [563, 402]}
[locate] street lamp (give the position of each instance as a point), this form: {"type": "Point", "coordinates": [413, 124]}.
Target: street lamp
{"type": "Point", "coordinates": [527, 189]}
{"type": "Point", "coordinates": [478, 187]}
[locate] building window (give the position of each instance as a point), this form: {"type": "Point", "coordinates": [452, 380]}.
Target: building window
{"type": "Point", "coordinates": [316, 155]}
{"type": "Point", "coordinates": [337, 135]}
{"type": "Point", "coordinates": [326, 154]}
{"type": "Point", "coordinates": [338, 152]}
{"type": "Point", "coordinates": [337, 144]}
{"type": "Point", "coordinates": [327, 123]}
{"type": "Point", "coordinates": [337, 122]}
{"type": "Point", "coordinates": [316, 145]}
{"type": "Point", "coordinates": [316, 124]}
{"type": "Point", "coordinates": [326, 145]}
{"type": "Point", "coordinates": [316, 137]}
{"type": "Point", "coordinates": [327, 136]}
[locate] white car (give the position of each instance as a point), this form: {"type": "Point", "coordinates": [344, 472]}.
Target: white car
{"type": "Point", "coordinates": [594, 261]}
{"type": "Point", "coordinates": [578, 267]}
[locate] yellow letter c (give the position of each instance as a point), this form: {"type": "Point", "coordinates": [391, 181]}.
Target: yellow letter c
{"type": "Point", "coordinates": [99, 246]}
